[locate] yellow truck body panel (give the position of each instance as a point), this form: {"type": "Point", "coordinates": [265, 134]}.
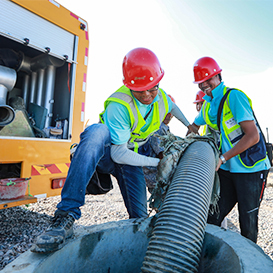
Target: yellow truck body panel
{"type": "Point", "coordinates": [46, 158]}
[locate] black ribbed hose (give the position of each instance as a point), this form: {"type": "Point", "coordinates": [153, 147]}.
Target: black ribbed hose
{"type": "Point", "coordinates": [177, 239]}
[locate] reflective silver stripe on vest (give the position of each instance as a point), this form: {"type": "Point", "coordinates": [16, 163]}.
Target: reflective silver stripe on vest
{"type": "Point", "coordinates": [235, 136]}
{"type": "Point", "coordinates": [130, 101]}
{"type": "Point", "coordinates": [162, 111]}
{"type": "Point", "coordinates": [161, 106]}
{"type": "Point", "coordinates": [140, 143]}
{"type": "Point", "coordinates": [206, 104]}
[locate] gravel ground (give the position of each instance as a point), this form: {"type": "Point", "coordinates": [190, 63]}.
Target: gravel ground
{"type": "Point", "coordinates": [20, 225]}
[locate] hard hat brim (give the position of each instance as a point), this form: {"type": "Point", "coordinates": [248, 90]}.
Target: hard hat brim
{"type": "Point", "coordinates": [208, 77]}
{"type": "Point", "coordinates": [147, 86]}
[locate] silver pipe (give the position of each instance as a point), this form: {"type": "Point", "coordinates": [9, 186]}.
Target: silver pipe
{"type": "Point", "coordinates": [25, 64]}
{"type": "Point", "coordinates": [3, 94]}
{"type": "Point", "coordinates": [49, 93]}
{"type": "Point", "coordinates": [33, 87]}
{"type": "Point", "coordinates": [7, 115]}
{"type": "Point", "coordinates": [7, 81]}
{"type": "Point", "coordinates": [26, 89]}
{"type": "Point", "coordinates": [41, 76]}
{"type": "Point", "coordinates": [73, 77]}
{"type": "Point", "coordinates": [8, 77]}
{"type": "Point", "coordinates": [44, 60]}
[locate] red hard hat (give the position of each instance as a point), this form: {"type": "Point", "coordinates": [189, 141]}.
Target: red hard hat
{"type": "Point", "coordinates": [204, 69]}
{"type": "Point", "coordinates": [199, 96]}
{"type": "Point", "coordinates": [173, 100]}
{"type": "Point", "coordinates": [141, 69]}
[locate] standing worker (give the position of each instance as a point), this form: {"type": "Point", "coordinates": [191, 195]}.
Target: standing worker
{"type": "Point", "coordinates": [243, 165]}
{"type": "Point", "coordinates": [116, 145]}
{"type": "Point", "coordinates": [198, 103]}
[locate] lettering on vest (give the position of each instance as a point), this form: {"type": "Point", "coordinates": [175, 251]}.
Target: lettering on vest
{"type": "Point", "coordinates": [230, 123]}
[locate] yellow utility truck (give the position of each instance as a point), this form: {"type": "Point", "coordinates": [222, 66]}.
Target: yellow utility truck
{"type": "Point", "coordinates": [43, 67]}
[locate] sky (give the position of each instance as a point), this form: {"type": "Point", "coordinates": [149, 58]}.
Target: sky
{"type": "Point", "coordinates": [236, 33]}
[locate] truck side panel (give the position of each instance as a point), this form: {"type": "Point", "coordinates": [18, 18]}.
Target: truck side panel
{"type": "Point", "coordinates": [51, 81]}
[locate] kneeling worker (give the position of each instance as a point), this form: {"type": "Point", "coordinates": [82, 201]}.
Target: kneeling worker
{"type": "Point", "coordinates": [116, 145]}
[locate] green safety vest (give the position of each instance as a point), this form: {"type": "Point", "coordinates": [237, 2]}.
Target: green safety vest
{"type": "Point", "coordinates": [160, 109]}
{"type": "Point", "coordinates": [234, 133]}
{"type": "Point", "coordinates": [203, 130]}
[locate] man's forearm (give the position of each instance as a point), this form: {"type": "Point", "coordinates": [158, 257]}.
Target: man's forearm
{"type": "Point", "coordinates": [122, 155]}
{"type": "Point", "coordinates": [179, 115]}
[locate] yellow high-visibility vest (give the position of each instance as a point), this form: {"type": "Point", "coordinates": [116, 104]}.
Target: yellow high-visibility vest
{"type": "Point", "coordinates": [160, 109]}
{"type": "Point", "coordinates": [234, 133]}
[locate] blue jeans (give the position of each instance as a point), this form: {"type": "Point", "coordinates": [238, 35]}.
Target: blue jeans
{"type": "Point", "coordinates": [93, 153]}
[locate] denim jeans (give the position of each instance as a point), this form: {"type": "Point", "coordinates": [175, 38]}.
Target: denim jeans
{"type": "Point", "coordinates": [246, 189]}
{"type": "Point", "coordinates": [93, 153]}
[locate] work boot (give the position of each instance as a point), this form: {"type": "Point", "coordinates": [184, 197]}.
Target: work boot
{"type": "Point", "coordinates": [54, 237]}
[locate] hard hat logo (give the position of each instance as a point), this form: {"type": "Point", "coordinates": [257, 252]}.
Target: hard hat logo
{"type": "Point", "coordinates": [140, 78]}
{"type": "Point", "coordinates": [204, 69]}
{"type": "Point", "coordinates": [141, 69]}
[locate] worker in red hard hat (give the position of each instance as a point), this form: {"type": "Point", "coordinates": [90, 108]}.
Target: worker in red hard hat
{"type": "Point", "coordinates": [243, 164]}
{"type": "Point", "coordinates": [199, 100]}
{"type": "Point", "coordinates": [118, 145]}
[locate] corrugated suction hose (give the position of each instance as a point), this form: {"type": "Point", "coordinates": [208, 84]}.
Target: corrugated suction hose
{"type": "Point", "coordinates": [177, 239]}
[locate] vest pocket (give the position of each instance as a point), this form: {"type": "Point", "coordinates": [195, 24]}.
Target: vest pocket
{"type": "Point", "coordinates": [254, 153]}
